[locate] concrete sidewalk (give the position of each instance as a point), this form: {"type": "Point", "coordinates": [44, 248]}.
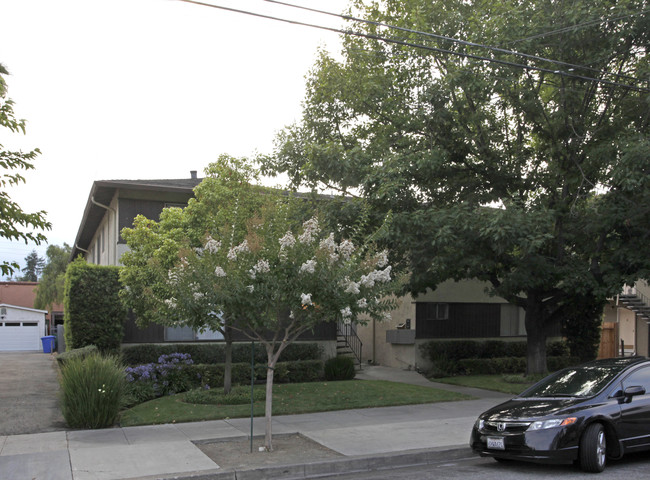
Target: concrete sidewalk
{"type": "Point", "coordinates": [367, 438]}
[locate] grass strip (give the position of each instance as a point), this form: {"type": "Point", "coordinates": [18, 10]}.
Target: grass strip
{"type": "Point", "coordinates": [495, 383]}
{"type": "Point", "coordinates": [291, 398]}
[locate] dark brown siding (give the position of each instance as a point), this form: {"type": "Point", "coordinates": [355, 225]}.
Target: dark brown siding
{"type": "Point", "coordinates": [151, 334]}
{"type": "Point", "coordinates": [465, 320]}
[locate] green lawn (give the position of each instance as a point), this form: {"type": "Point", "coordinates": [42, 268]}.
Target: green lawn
{"type": "Point", "coordinates": [497, 383]}
{"type": "Point", "coordinates": [291, 399]}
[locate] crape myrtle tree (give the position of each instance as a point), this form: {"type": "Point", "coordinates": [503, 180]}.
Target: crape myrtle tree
{"type": "Point", "coordinates": [222, 203]}
{"type": "Point", "coordinates": [13, 219]}
{"type": "Point", "coordinates": [274, 279]}
{"type": "Point", "coordinates": [528, 174]}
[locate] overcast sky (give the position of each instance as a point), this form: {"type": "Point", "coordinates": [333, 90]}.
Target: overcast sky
{"type": "Point", "coordinates": [142, 89]}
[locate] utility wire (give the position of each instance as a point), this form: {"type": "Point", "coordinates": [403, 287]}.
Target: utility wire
{"type": "Point", "coordinates": [580, 25]}
{"type": "Point", "coordinates": [452, 39]}
{"type": "Point", "coordinates": [423, 47]}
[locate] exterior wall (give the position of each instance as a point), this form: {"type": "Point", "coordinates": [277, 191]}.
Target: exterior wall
{"type": "Point", "coordinates": [373, 335]}
{"type": "Point", "coordinates": [21, 294]}
{"type": "Point", "coordinates": [103, 246]}
{"type": "Point", "coordinates": [382, 344]}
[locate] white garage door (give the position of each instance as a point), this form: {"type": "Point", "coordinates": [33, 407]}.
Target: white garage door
{"type": "Point", "coordinates": [19, 335]}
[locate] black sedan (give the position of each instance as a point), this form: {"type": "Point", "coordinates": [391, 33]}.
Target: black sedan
{"type": "Point", "coordinates": [583, 414]}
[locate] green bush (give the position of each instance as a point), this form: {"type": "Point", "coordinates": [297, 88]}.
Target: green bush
{"type": "Point", "coordinates": [494, 366]}
{"type": "Point", "coordinates": [94, 314]}
{"type": "Point", "coordinates": [92, 391]}
{"type": "Point", "coordinates": [237, 396]}
{"type": "Point", "coordinates": [82, 353]}
{"type": "Point", "coordinates": [339, 368]}
{"type": "Point", "coordinates": [215, 353]}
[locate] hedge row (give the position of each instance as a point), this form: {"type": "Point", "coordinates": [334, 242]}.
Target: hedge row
{"type": "Point", "coordinates": [298, 371]}
{"type": "Point", "coordinates": [494, 366]}
{"type": "Point", "coordinates": [455, 350]}
{"type": "Point", "coordinates": [215, 353]}
{"type": "Point", "coordinates": [94, 314]}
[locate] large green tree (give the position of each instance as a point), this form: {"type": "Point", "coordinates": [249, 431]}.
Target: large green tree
{"type": "Point", "coordinates": [52, 283]}
{"type": "Point", "coordinates": [527, 173]}
{"type": "Point", "coordinates": [33, 267]}
{"type": "Point", "coordinates": [13, 220]}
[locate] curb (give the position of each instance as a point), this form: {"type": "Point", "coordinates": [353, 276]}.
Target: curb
{"type": "Point", "coordinates": [357, 464]}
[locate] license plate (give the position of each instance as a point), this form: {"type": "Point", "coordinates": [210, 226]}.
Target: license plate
{"type": "Point", "coordinates": [496, 443]}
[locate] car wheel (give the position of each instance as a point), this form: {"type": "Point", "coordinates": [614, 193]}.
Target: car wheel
{"type": "Point", "coordinates": [593, 449]}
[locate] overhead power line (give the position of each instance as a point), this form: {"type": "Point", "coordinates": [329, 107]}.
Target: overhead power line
{"type": "Point", "coordinates": [453, 40]}
{"type": "Point", "coordinates": [420, 46]}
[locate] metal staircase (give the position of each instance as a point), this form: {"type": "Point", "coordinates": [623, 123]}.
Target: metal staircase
{"type": "Point", "coordinates": [635, 301]}
{"type": "Point", "coordinates": [348, 343]}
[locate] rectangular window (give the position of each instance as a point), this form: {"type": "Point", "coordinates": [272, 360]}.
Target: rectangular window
{"type": "Point", "coordinates": [457, 320]}
{"type": "Point", "coordinates": [30, 324]}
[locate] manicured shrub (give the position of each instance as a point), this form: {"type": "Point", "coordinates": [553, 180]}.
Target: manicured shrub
{"type": "Point", "coordinates": [82, 353]}
{"type": "Point", "coordinates": [339, 368]}
{"type": "Point", "coordinates": [94, 314]}
{"type": "Point", "coordinates": [91, 391]}
{"type": "Point", "coordinates": [214, 353]}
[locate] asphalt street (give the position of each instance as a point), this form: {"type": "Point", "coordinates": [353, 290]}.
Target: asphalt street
{"type": "Point", "coordinates": [632, 467]}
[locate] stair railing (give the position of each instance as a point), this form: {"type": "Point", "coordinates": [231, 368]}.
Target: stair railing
{"type": "Point", "coordinates": [352, 340]}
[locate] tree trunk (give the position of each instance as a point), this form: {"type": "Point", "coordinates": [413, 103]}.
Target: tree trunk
{"type": "Point", "coordinates": [536, 340]}
{"type": "Point", "coordinates": [268, 408]}
{"type": "Point", "coordinates": [227, 370]}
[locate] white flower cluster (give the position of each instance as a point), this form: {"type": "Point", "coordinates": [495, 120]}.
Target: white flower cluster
{"type": "Point", "coordinates": [308, 267]}
{"type": "Point", "coordinates": [346, 248]}
{"type": "Point", "coordinates": [379, 276]}
{"type": "Point", "coordinates": [305, 298]}
{"type": "Point", "coordinates": [171, 302]}
{"type": "Point", "coordinates": [262, 266]}
{"type": "Point", "coordinates": [362, 303]}
{"type": "Point", "coordinates": [353, 288]}
{"type": "Point", "coordinates": [250, 288]}
{"type": "Point", "coordinates": [212, 245]}
{"type": "Point", "coordinates": [346, 313]}
{"type": "Point", "coordinates": [328, 243]}
{"type": "Point", "coordinates": [241, 248]}
{"type": "Point", "coordinates": [219, 272]}
{"type": "Point", "coordinates": [382, 259]}
{"type": "Point", "coordinates": [309, 232]}
{"type": "Point", "coordinates": [198, 296]}
{"type": "Point", "coordinates": [172, 277]}
{"type": "Point", "coordinates": [287, 241]}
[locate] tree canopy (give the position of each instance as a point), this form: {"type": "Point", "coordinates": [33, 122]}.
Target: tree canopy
{"type": "Point", "coordinates": [33, 267]}
{"type": "Point", "coordinates": [13, 220]}
{"type": "Point", "coordinates": [528, 171]}
{"type": "Point", "coordinates": [52, 282]}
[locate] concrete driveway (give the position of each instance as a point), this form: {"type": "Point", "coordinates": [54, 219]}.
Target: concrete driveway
{"type": "Point", "coordinates": [29, 393]}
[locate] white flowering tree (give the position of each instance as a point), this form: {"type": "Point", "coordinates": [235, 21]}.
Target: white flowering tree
{"type": "Point", "coordinates": [278, 283]}
{"type": "Point", "coordinates": [272, 276]}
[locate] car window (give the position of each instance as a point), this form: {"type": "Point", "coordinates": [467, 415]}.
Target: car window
{"type": "Point", "coordinates": [574, 382]}
{"type": "Point", "coordinates": [640, 377]}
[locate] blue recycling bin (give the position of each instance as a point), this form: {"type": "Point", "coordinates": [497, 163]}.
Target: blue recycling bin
{"type": "Point", "coordinates": [48, 343]}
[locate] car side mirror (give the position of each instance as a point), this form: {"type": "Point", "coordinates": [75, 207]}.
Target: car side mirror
{"type": "Point", "coordinates": [632, 392]}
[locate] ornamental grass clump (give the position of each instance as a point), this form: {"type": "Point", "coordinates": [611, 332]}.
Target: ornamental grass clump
{"type": "Point", "coordinates": [91, 391]}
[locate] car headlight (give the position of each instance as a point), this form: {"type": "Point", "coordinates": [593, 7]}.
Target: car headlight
{"type": "Point", "coordinates": [554, 422]}
{"type": "Point", "coordinates": [480, 423]}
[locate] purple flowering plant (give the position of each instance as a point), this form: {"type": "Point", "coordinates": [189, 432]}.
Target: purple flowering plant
{"type": "Point", "coordinates": [166, 377]}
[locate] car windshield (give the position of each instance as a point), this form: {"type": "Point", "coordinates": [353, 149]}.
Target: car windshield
{"type": "Point", "coordinates": [574, 382]}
